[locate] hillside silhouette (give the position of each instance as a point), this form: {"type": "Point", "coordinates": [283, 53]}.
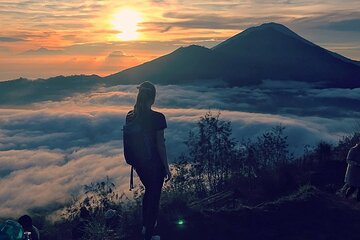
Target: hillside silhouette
{"type": "Point", "coordinates": [267, 52]}
{"type": "Point", "coordinates": [23, 91]}
{"type": "Point", "coordinates": [308, 213]}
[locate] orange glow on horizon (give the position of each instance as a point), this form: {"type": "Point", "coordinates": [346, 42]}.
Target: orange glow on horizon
{"type": "Point", "coordinates": [105, 37]}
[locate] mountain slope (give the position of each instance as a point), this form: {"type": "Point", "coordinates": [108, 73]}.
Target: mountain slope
{"type": "Point", "coordinates": [309, 213]}
{"type": "Point", "coordinates": [269, 51]}
{"type": "Point", "coordinates": [183, 66]}
{"type": "Point", "coordinates": [272, 51]}
{"type": "Point", "coordinates": [23, 91]}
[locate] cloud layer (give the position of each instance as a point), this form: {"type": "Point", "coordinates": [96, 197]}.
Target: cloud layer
{"type": "Point", "coordinates": [50, 149]}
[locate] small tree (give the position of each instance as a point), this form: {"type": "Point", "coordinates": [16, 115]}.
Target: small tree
{"type": "Point", "coordinates": [97, 198]}
{"type": "Point", "coordinates": [181, 183]}
{"type": "Point", "coordinates": [271, 149]}
{"type": "Point", "coordinates": [211, 153]}
{"type": "Point", "coordinates": [323, 152]}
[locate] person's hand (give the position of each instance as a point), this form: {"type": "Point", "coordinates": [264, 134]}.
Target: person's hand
{"type": "Point", "coordinates": [168, 175]}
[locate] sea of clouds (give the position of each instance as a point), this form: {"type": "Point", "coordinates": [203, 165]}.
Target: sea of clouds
{"type": "Point", "coordinates": [49, 150]}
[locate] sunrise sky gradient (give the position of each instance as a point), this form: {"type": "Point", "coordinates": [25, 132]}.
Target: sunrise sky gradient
{"type": "Point", "coordinates": [43, 38]}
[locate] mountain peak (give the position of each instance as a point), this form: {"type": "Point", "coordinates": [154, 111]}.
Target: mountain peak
{"type": "Point", "coordinates": [191, 50]}
{"type": "Point", "coordinates": [192, 47]}
{"type": "Point", "coordinates": [281, 29]}
{"type": "Point", "coordinates": [263, 29]}
{"type": "Point", "coordinates": [270, 25]}
{"type": "Point", "coordinates": [273, 25]}
{"type": "Point", "coordinates": [278, 27]}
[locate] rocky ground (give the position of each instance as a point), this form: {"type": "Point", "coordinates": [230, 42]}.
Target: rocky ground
{"type": "Point", "coordinates": [306, 214]}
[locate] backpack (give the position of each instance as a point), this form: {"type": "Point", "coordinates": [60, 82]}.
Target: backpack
{"type": "Point", "coordinates": [137, 146]}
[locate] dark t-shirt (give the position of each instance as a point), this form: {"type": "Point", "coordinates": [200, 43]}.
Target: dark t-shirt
{"type": "Point", "coordinates": [152, 121]}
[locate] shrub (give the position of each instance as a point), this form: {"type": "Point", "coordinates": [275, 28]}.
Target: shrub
{"type": "Point", "coordinates": [211, 154]}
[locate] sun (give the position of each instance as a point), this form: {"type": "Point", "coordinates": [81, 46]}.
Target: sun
{"type": "Point", "coordinates": [126, 21]}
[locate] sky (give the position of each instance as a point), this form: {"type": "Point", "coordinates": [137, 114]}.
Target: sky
{"type": "Point", "coordinates": [43, 38]}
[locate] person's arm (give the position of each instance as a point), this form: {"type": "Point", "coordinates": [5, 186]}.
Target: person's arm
{"type": "Point", "coordinates": [160, 143]}
{"type": "Point", "coordinates": [352, 157]}
{"type": "Point", "coordinates": [36, 236]}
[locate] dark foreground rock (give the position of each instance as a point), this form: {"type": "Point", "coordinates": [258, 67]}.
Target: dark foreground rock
{"type": "Point", "coordinates": [307, 214]}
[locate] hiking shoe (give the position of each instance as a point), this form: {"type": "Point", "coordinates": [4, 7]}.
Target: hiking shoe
{"type": "Point", "coordinates": [350, 191]}
{"type": "Point", "coordinates": [155, 237]}
{"type": "Point", "coordinates": [143, 230]}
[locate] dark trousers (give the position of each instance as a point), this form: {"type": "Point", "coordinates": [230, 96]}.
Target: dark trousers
{"type": "Point", "coordinates": [152, 178]}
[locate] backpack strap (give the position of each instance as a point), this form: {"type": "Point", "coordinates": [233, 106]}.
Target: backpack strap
{"type": "Point", "coordinates": [131, 178]}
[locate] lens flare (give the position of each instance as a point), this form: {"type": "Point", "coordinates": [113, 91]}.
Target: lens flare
{"type": "Point", "coordinates": [180, 222]}
{"type": "Point", "coordinates": [126, 21]}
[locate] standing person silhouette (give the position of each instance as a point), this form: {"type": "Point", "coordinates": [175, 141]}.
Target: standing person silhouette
{"type": "Point", "coordinates": [152, 173]}
{"type": "Point", "coordinates": [352, 176]}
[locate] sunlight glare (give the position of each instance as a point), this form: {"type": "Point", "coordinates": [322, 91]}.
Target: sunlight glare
{"type": "Point", "coordinates": [126, 21]}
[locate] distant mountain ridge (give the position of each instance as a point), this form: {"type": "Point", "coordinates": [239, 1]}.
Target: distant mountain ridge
{"type": "Point", "coordinates": [41, 51]}
{"type": "Point", "coordinates": [24, 91]}
{"type": "Point", "coordinates": [269, 51]}
{"type": "Point", "coordinates": [179, 67]}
